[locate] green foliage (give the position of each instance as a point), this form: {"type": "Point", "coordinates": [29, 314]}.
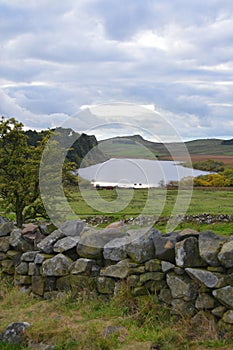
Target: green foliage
{"type": "Point", "coordinates": [212, 180]}
{"type": "Point", "coordinates": [209, 165]}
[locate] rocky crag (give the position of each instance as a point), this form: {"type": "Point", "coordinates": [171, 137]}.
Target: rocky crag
{"type": "Point", "coordinates": [190, 272]}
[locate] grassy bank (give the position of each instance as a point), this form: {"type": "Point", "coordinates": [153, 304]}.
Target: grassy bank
{"type": "Point", "coordinates": [85, 321]}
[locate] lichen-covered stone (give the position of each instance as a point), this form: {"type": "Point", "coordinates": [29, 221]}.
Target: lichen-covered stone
{"type": "Point", "coordinates": [151, 276]}
{"type": "Point", "coordinates": [219, 311]}
{"type": "Point", "coordinates": [4, 244]}
{"type": "Point", "coordinates": [59, 265]}
{"type": "Point", "coordinates": [153, 265]}
{"type": "Point", "coordinates": [120, 270]}
{"type": "Point", "coordinates": [29, 256]}
{"type": "Point", "coordinates": [82, 266]}
{"type": "Point", "coordinates": [14, 332]}
{"type": "Point", "coordinates": [41, 257]}
{"type": "Point", "coordinates": [18, 242]}
{"type": "Point", "coordinates": [66, 243]}
{"type": "Point", "coordinates": [46, 245]}
{"type": "Point", "coordinates": [224, 295]}
{"type": "Point", "coordinates": [106, 285]}
{"type": "Point", "coordinates": [38, 285]}
{"type": "Point", "coordinates": [8, 266]}
{"type": "Point", "coordinates": [225, 255]}
{"type": "Point", "coordinates": [80, 282]}
{"type": "Point", "coordinates": [23, 279]}
{"type": "Point", "coordinates": [64, 283]}
{"type": "Point", "coordinates": [187, 253]}
{"type": "Point", "coordinates": [133, 281]}
{"type": "Point", "coordinates": [181, 287]}
{"type": "Point", "coordinates": [205, 301]}
{"type": "Point", "coordinates": [5, 226]}
{"type": "Point", "coordinates": [165, 296]}
{"type": "Point", "coordinates": [209, 279]}
{"type": "Point", "coordinates": [228, 317]}
{"type": "Point", "coordinates": [33, 269]}
{"type": "Point", "coordinates": [22, 268]}
{"type": "Point", "coordinates": [141, 247]}
{"type": "Point", "coordinates": [209, 247]}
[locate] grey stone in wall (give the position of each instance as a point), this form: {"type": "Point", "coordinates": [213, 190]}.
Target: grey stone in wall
{"type": "Point", "coordinates": [224, 295]}
{"type": "Point", "coordinates": [5, 226]}
{"type": "Point", "coordinates": [167, 266]}
{"type": "Point", "coordinates": [59, 265]}
{"type": "Point", "coordinates": [205, 301]}
{"type": "Point", "coordinates": [209, 247]}
{"type": "Point", "coordinates": [18, 242]}
{"type": "Point", "coordinates": [82, 266]}
{"type": "Point", "coordinates": [72, 228]}
{"type": "Point", "coordinates": [41, 257]}
{"type": "Point", "coordinates": [120, 270]}
{"type": "Point", "coordinates": [209, 279]}
{"type": "Point", "coordinates": [225, 255]}
{"type": "Point", "coordinates": [228, 317]}
{"type": "Point", "coordinates": [181, 286]}
{"type": "Point", "coordinates": [4, 244]}
{"type": "Point", "coordinates": [46, 245]}
{"type": "Point", "coordinates": [187, 253]}
{"type": "Point", "coordinates": [141, 247]}
{"type": "Point", "coordinates": [66, 243]}
{"type": "Point", "coordinates": [153, 265]}
{"type": "Point", "coordinates": [115, 250]}
{"type": "Point", "coordinates": [165, 246]}
{"type": "Point", "coordinates": [29, 256]}
{"type": "Point", "coordinates": [106, 285]}
{"type": "Point", "coordinates": [92, 242]}
{"type": "Point", "coordinates": [22, 268]}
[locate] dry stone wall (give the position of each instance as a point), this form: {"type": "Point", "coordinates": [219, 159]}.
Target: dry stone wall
{"type": "Point", "coordinates": [188, 271]}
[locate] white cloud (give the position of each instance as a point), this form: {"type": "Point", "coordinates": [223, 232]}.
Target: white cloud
{"type": "Point", "coordinates": [56, 57]}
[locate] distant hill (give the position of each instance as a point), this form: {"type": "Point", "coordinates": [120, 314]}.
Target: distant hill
{"type": "Point", "coordinates": [131, 146]}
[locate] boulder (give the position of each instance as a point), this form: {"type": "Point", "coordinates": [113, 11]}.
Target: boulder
{"type": "Point", "coordinates": [207, 278]}
{"type": "Point", "coordinates": [141, 247]}
{"type": "Point", "coordinates": [187, 253]}
{"type": "Point", "coordinates": [224, 295]}
{"type": "Point", "coordinates": [41, 257]}
{"type": "Point", "coordinates": [92, 242]}
{"type": "Point", "coordinates": [72, 228]}
{"type": "Point", "coordinates": [181, 286]}
{"type": "Point", "coordinates": [226, 254]}
{"type": "Point", "coordinates": [57, 266]}
{"type": "Point", "coordinates": [66, 243]}
{"type": "Point", "coordinates": [14, 333]}
{"type": "Point", "coordinates": [18, 242]}
{"type": "Point", "coordinates": [165, 246]}
{"type": "Point", "coordinates": [4, 244]}
{"type": "Point", "coordinates": [209, 247]}
{"type": "Point", "coordinates": [5, 226]}
{"type": "Point", "coordinates": [46, 245]}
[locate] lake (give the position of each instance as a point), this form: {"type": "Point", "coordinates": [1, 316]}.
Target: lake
{"type": "Point", "coordinates": [137, 173]}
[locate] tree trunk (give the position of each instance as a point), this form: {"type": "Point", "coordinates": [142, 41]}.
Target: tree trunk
{"type": "Point", "coordinates": [19, 217]}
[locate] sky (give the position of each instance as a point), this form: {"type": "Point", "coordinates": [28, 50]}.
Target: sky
{"type": "Point", "coordinates": [173, 55]}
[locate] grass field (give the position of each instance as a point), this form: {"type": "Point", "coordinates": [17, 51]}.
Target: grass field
{"type": "Point", "coordinates": [81, 321]}
{"type": "Point", "coordinates": [161, 203]}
